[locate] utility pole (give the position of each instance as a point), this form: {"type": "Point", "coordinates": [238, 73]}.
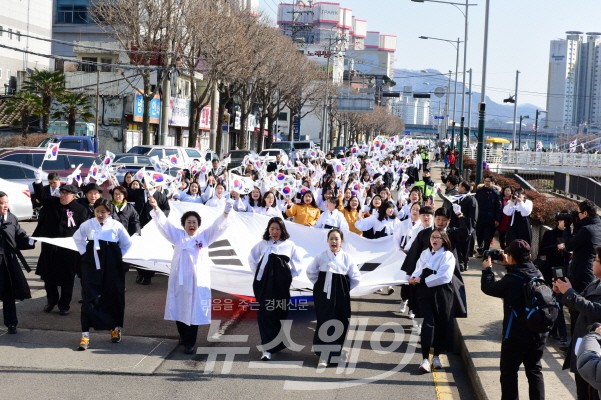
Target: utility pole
{"type": "Point", "coordinates": [515, 105]}
{"type": "Point", "coordinates": [166, 90]}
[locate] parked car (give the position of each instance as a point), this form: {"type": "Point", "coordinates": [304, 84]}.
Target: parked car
{"type": "Point", "coordinates": [269, 155]}
{"type": "Point", "coordinates": [65, 163]}
{"type": "Point", "coordinates": [19, 199]}
{"type": "Point", "coordinates": [339, 151]}
{"type": "Point", "coordinates": [126, 162]}
{"type": "Point", "coordinates": [81, 143]}
{"type": "Point", "coordinates": [237, 156]}
{"type": "Point", "coordinates": [185, 155]}
{"type": "Point", "coordinates": [20, 173]}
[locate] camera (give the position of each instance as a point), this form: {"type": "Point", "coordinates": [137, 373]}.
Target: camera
{"type": "Point", "coordinates": [558, 273]}
{"type": "Point", "coordinates": [495, 255]}
{"type": "Point", "coordinates": [563, 216]}
{"type": "Point", "coordinates": [514, 196]}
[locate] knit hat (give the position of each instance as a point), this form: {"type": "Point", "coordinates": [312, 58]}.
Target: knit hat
{"type": "Point", "coordinates": [519, 249]}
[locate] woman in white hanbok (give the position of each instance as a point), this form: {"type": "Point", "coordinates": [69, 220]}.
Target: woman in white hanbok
{"type": "Point", "coordinates": [102, 241]}
{"type": "Point", "coordinates": [433, 274]}
{"type": "Point", "coordinates": [334, 275]}
{"type": "Point", "coordinates": [189, 288]}
{"type": "Point", "coordinates": [274, 261]}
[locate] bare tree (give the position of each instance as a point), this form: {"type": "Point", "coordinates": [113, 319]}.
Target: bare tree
{"type": "Point", "coordinates": [145, 29]}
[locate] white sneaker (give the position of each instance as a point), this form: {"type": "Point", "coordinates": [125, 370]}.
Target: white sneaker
{"type": "Point", "coordinates": [425, 366]}
{"type": "Point", "coordinates": [322, 363]}
{"type": "Point", "coordinates": [266, 356]}
{"type": "Point", "coordinates": [404, 305]}
{"type": "Point", "coordinates": [411, 314]}
{"type": "Point", "coordinates": [436, 364]}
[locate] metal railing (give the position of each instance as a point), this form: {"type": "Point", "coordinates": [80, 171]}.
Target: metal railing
{"type": "Point", "coordinates": [522, 159]}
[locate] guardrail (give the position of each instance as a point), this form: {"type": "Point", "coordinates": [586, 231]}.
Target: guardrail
{"type": "Point", "coordinates": [550, 159]}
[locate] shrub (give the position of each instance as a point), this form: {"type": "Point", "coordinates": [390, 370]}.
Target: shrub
{"type": "Point", "coordinates": [31, 140]}
{"type": "Point", "coordinates": [544, 207]}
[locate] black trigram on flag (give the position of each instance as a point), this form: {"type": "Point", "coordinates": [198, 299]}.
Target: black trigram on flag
{"type": "Point", "coordinates": [222, 253]}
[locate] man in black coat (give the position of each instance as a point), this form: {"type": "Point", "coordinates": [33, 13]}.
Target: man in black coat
{"type": "Point", "coordinates": [60, 217]}
{"type": "Point", "coordinates": [520, 345]}
{"type": "Point", "coordinates": [582, 245]}
{"type": "Point", "coordinates": [467, 208]}
{"type": "Point", "coordinates": [588, 306]}
{"type": "Point", "coordinates": [44, 194]}
{"type": "Point", "coordinates": [140, 197]}
{"type": "Point", "coordinates": [91, 193]}
{"type": "Point", "coordinates": [489, 213]}
{"type": "Point", "coordinates": [13, 284]}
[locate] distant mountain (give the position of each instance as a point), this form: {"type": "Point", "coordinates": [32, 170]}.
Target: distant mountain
{"type": "Point", "coordinates": [498, 115]}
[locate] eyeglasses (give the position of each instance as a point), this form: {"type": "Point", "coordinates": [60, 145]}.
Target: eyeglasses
{"type": "Point", "coordinates": [435, 237]}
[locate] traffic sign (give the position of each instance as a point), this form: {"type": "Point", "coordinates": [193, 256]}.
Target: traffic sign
{"type": "Point", "coordinates": [438, 117]}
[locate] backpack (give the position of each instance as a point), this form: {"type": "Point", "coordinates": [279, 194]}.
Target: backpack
{"type": "Point", "coordinates": [541, 308]}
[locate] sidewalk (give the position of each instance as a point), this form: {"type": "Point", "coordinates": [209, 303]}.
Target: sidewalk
{"type": "Point", "coordinates": [478, 338]}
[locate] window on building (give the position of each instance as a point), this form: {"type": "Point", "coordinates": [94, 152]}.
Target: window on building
{"type": "Point", "coordinates": [1, 30]}
{"type": "Point", "coordinates": [10, 33]}
{"type": "Point", "coordinates": [89, 64]}
{"type": "Point", "coordinates": [0, 73]}
{"type": "Point", "coordinates": [106, 68]}
{"type": "Point", "coordinates": [72, 11]}
{"type": "Point", "coordinates": [18, 36]}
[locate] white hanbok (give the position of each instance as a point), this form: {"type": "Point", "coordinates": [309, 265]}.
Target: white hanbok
{"type": "Point", "coordinates": [189, 287]}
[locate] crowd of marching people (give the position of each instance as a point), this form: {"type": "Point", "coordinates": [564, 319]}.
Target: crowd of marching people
{"type": "Point", "coordinates": [384, 189]}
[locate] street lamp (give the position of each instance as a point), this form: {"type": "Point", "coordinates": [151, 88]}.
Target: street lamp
{"type": "Point", "coordinates": [455, 44]}
{"type": "Point", "coordinates": [522, 117]}
{"type": "Point", "coordinates": [465, 16]}
{"type": "Point", "coordinates": [538, 112]}
{"type": "Point", "coordinates": [482, 105]}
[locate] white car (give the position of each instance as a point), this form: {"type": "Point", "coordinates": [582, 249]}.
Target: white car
{"type": "Point", "coordinates": [19, 199]}
{"type": "Point", "coordinates": [268, 155]}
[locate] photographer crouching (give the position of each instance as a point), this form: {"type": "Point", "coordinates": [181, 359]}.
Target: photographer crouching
{"type": "Point", "coordinates": [520, 344]}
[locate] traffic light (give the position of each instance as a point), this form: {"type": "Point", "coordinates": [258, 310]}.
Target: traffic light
{"type": "Point", "coordinates": [510, 99]}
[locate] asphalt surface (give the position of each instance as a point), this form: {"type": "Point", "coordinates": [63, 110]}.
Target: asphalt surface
{"type": "Point", "coordinates": [382, 359]}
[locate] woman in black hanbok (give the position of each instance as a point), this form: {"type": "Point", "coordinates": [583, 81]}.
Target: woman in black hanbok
{"type": "Point", "coordinates": [102, 241]}
{"type": "Point", "coordinates": [274, 261]}
{"type": "Point", "coordinates": [333, 275]}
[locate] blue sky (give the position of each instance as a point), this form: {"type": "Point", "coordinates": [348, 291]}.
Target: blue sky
{"type": "Point", "coordinates": [519, 35]}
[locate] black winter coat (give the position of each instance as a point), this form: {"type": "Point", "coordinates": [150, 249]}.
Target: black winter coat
{"type": "Point", "coordinates": [137, 197]}
{"type": "Point", "coordinates": [553, 258]}
{"type": "Point", "coordinates": [582, 245]}
{"type": "Point", "coordinates": [510, 289]}
{"type": "Point", "coordinates": [57, 264]}
{"type": "Point", "coordinates": [489, 205]}
{"type": "Point", "coordinates": [128, 216]}
{"type": "Point", "coordinates": [12, 239]}
{"type": "Point", "coordinates": [588, 306]}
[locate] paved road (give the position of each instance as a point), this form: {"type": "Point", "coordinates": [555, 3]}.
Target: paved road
{"type": "Point", "coordinates": [41, 360]}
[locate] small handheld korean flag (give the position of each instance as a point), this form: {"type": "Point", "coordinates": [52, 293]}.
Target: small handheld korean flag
{"type": "Point", "coordinates": [539, 145]}
{"type": "Point", "coordinates": [108, 160]}
{"type": "Point", "coordinates": [51, 152]}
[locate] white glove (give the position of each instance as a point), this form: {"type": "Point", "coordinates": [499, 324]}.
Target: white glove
{"type": "Point", "coordinates": [38, 175]}
{"type": "Point", "coordinates": [457, 209]}
{"type": "Point", "coordinates": [228, 207]}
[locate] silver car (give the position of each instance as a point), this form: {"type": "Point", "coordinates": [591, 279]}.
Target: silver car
{"type": "Point", "coordinates": [17, 172]}
{"type": "Point", "coordinates": [19, 199]}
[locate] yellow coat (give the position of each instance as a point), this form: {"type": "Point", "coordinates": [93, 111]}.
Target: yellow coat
{"type": "Point", "coordinates": [303, 214]}
{"type": "Point", "coordinates": [352, 217]}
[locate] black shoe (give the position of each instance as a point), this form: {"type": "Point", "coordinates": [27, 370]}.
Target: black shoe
{"type": "Point", "coordinates": [64, 312]}
{"type": "Point", "coordinates": [189, 349]}
{"type": "Point", "coordinates": [12, 330]}
{"type": "Point", "coordinates": [466, 268]}
{"type": "Point", "coordinates": [139, 279]}
{"type": "Point", "coordinates": [480, 250]}
{"type": "Point", "coordinates": [146, 281]}
{"type": "Point", "coordinates": [48, 308]}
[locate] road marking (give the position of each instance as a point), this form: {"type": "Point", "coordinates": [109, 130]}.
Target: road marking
{"type": "Point", "coordinates": [442, 381]}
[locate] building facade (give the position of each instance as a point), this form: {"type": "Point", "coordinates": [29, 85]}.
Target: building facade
{"type": "Point", "coordinates": [574, 83]}
{"type": "Point", "coordinates": [23, 30]}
